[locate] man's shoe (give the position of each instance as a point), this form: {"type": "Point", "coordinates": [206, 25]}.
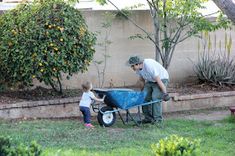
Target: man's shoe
{"type": "Point", "coordinates": [144, 121]}
{"type": "Point", "coordinates": [139, 122]}
{"type": "Point", "coordinates": [157, 122]}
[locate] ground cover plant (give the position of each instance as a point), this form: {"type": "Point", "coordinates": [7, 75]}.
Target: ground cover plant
{"type": "Point", "coordinates": [70, 137]}
{"type": "Point", "coordinates": [6, 148]}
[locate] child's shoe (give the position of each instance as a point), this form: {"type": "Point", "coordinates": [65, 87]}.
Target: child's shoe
{"type": "Point", "coordinates": [89, 125]}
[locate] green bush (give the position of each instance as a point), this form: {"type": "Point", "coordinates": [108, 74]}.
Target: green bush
{"type": "Point", "coordinates": [230, 119]}
{"type": "Point", "coordinates": [6, 149]}
{"type": "Point", "coordinates": [43, 40]}
{"type": "Point", "coordinates": [176, 146]}
{"type": "Point", "coordinates": [4, 145]}
{"type": "Point", "coordinates": [215, 70]}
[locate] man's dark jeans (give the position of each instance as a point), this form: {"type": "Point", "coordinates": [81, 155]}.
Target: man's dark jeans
{"type": "Point", "coordinates": [86, 114]}
{"type": "Point", "coordinates": [153, 112]}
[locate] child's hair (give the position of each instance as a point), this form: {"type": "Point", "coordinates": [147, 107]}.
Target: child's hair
{"type": "Point", "coordinates": [86, 86]}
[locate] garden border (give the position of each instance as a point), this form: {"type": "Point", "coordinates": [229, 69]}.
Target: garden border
{"type": "Point", "coordinates": [68, 107]}
{"type": "Point", "coordinates": [200, 101]}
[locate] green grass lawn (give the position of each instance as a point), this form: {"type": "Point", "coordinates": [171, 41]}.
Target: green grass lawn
{"type": "Point", "coordinates": [70, 137]}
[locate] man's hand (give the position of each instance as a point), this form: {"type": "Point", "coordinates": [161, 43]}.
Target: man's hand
{"type": "Point", "coordinates": [166, 97]}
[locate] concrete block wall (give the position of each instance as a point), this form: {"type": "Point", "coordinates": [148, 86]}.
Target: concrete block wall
{"type": "Point", "coordinates": [121, 48]}
{"type": "Point", "coordinates": [117, 73]}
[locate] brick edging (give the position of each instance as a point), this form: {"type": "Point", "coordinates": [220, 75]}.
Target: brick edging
{"type": "Point", "coordinates": [177, 97]}
{"type": "Point", "coordinates": [29, 104]}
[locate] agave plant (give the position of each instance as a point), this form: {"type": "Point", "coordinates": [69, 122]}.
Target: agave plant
{"type": "Point", "coordinates": [216, 69]}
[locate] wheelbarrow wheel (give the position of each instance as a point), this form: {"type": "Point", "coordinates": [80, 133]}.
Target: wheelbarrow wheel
{"type": "Point", "coordinates": [106, 119]}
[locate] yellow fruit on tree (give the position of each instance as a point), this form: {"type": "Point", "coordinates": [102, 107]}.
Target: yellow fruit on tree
{"type": "Point", "coordinates": [10, 43]}
{"type": "Point", "coordinates": [61, 29]}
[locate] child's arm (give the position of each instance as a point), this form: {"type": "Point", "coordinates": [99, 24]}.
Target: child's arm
{"type": "Point", "coordinates": [98, 99]}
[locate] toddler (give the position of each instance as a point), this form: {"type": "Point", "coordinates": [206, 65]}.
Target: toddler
{"type": "Point", "coordinates": [85, 103]}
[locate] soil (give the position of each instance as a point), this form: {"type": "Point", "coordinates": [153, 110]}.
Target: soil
{"type": "Point", "coordinates": [197, 88]}
{"type": "Point", "coordinates": [39, 93]}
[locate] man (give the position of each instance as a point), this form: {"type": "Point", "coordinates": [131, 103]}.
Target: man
{"type": "Point", "coordinates": [155, 79]}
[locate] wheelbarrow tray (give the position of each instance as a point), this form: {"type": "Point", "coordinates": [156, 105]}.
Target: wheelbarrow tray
{"type": "Point", "coordinates": [122, 98]}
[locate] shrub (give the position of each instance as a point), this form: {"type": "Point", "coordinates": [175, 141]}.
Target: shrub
{"type": "Point", "coordinates": [215, 70]}
{"type": "Point", "coordinates": [4, 145]}
{"type": "Point", "coordinates": [177, 146]}
{"type": "Point", "coordinates": [6, 149]}
{"type": "Point", "coordinates": [230, 119]}
{"type": "Point", "coordinates": [43, 40]}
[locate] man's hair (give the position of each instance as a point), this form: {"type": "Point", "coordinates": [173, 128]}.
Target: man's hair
{"type": "Point", "coordinates": [134, 60]}
{"type": "Point", "coordinates": [86, 86]}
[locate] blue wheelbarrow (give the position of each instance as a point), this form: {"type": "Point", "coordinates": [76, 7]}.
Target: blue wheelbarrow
{"type": "Point", "coordinates": [117, 100]}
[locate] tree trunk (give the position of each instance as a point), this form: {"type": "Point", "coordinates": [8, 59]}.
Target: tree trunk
{"type": "Point", "coordinates": [156, 37]}
{"type": "Point", "coordinates": [227, 7]}
{"type": "Point", "coordinates": [156, 26]}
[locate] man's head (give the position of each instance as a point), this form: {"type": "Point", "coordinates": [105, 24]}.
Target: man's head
{"type": "Point", "coordinates": [135, 62]}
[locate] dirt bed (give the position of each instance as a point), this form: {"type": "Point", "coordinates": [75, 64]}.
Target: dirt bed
{"type": "Point", "coordinates": [39, 93]}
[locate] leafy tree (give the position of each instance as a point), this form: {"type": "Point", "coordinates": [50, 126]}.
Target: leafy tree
{"type": "Point", "coordinates": [228, 8]}
{"type": "Point", "coordinates": [174, 22]}
{"type": "Point", "coordinates": [44, 40]}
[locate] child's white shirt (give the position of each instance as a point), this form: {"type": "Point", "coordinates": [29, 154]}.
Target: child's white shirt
{"type": "Point", "coordinates": [86, 99]}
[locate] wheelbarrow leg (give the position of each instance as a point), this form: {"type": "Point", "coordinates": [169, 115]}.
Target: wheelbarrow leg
{"type": "Point", "coordinates": [121, 117]}
{"type": "Point", "coordinates": [127, 118]}
{"type": "Point", "coordinates": [139, 114]}
{"type": "Point", "coordinates": [129, 114]}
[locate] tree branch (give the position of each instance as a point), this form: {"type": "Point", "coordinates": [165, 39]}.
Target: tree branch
{"type": "Point", "coordinates": [148, 35]}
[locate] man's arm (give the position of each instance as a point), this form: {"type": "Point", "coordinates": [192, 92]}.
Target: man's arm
{"type": "Point", "coordinates": [160, 84]}
{"type": "Point", "coordinates": [165, 96]}
{"type": "Point", "coordinates": [141, 83]}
